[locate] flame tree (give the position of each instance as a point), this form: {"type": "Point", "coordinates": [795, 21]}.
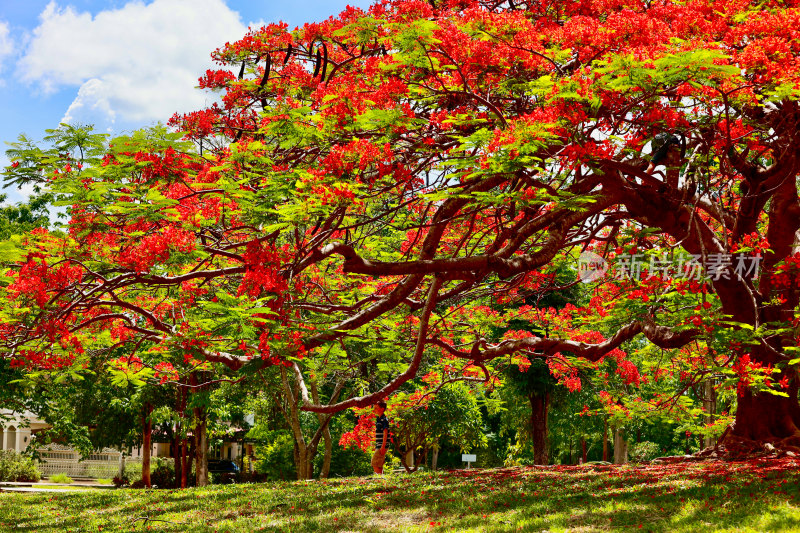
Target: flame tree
{"type": "Point", "coordinates": [385, 179]}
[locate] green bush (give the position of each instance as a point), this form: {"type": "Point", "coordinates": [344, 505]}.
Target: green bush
{"type": "Point", "coordinates": [163, 475]}
{"type": "Point", "coordinates": [276, 459]}
{"type": "Point", "coordinates": [16, 467]}
{"type": "Point", "coordinates": [133, 469]}
{"type": "Point", "coordinates": [60, 478]}
{"type": "Point", "coordinates": [643, 451]}
{"type": "Point", "coordinates": [345, 462]}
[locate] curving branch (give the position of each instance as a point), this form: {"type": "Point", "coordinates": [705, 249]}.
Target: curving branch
{"type": "Point", "coordinates": [410, 372]}
{"type": "Point", "coordinates": [661, 336]}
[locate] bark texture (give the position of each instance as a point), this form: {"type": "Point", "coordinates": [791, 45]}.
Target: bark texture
{"type": "Point", "coordinates": [540, 407]}
{"type": "Point", "coordinates": [201, 447]}
{"type": "Point", "coordinates": [147, 445]}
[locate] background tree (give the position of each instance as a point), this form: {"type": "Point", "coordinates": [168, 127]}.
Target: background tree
{"type": "Point", "coordinates": [536, 385]}
{"type": "Point", "coordinates": [420, 423]}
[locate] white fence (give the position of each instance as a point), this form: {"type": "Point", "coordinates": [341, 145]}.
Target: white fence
{"type": "Point", "coordinates": [57, 459]}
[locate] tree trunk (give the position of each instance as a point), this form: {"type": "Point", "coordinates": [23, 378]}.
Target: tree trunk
{"type": "Point", "coordinates": [302, 457]}
{"type": "Point", "coordinates": [583, 450]}
{"type": "Point", "coordinates": [761, 416]}
{"type": "Point", "coordinates": [765, 417]}
{"type": "Point", "coordinates": [184, 466]}
{"type": "Point", "coordinates": [605, 440]}
{"type": "Point", "coordinates": [190, 456]}
{"type": "Point", "coordinates": [176, 454]}
{"type": "Point", "coordinates": [421, 458]}
{"type": "Point", "coordinates": [407, 459]}
{"type": "Point", "coordinates": [435, 458]}
{"type": "Point", "coordinates": [147, 445]}
{"type": "Point", "coordinates": [710, 405]}
{"type": "Point", "coordinates": [201, 447]}
{"type": "Point", "coordinates": [303, 465]}
{"type": "Point", "coordinates": [326, 461]}
{"type": "Point", "coordinates": [620, 447]}
{"type": "Point", "coordinates": [182, 397]}
{"type": "Point", "coordinates": [540, 405]}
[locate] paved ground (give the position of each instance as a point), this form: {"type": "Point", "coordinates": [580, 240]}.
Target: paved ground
{"type": "Point", "coordinates": [43, 486]}
{"type": "Point", "coordinates": [44, 489]}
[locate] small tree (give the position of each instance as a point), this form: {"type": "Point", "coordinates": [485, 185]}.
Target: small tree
{"type": "Point", "coordinates": [420, 423]}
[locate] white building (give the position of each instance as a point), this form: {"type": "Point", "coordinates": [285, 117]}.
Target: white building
{"type": "Point", "coordinates": [18, 428]}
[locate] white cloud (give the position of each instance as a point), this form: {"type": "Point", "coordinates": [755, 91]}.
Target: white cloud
{"type": "Point", "coordinates": [6, 44]}
{"type": "Point", "coordinates": [137, 63]}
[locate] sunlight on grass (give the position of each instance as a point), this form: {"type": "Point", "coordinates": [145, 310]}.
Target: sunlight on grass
{"type": "Point", "coordinates": [754, 496]}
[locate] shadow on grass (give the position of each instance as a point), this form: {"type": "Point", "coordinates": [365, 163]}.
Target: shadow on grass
{"type": "Point", "coordinates": [657, 499]}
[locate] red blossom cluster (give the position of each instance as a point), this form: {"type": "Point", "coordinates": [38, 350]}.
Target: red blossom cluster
{"type": "Point", "coordinates": [36, 279]}
{"type": "Point", "coordinates": [157, 248]}
{"type": "Point", "coordinates": [33, 360]}
{"type": "Point", "coordinates": [362, 436]}
{"type": "Point", "coordinates": [787, 275]}
{"type": "Point", "coordinates": [262, 275]}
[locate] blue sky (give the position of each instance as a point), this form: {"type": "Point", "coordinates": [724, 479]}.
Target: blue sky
{"type": "Point", "coordinates": [120, 64]}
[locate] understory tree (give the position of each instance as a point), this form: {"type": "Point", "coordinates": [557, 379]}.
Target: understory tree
{"type": "Point", "coordinates": [391, 177]}
{"type": "Point", "coordinates": [420, 422]}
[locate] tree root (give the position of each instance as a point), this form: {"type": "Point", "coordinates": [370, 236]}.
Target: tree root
{"type": "Point", "coordinates": [742, 448]}
{"type": "Point", "coordinates": [731, 447]}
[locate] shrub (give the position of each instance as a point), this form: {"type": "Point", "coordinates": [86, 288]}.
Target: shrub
{"type": "Point", "coordinates": [17, 467]}
{"type": "Point", "coordinates": [60, 478]}
{"type": "Point", "coordinates": [346, 462]}
{"type": "Point", "coordinates": [162, 475]}
{"type": "Point", "coordinates": [276, 459]}
{"type": "Point", "coordinates": [121, 481]}
{"type": "Point", "coordinates": [644, 451]}
{"type": "Point", "coordinates": [133, 469]}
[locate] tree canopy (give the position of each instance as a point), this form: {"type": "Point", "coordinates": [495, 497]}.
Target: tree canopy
{"type": "Point", "coordinates": [376, 189]}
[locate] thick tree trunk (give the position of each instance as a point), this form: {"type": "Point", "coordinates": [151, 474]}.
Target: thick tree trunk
{"type": "Point", "coordinates": [201, 448]}
{"type": "Point", "coordinates": [620, 447]}
{"type": "Point", "coordinates": [540, 406]}
{"type": "Point", "coordinates": [765, 417]}
{"type": "Point", "coordinates": [147, 445]}
{"type": "Point", "coordinates": [435, 458]}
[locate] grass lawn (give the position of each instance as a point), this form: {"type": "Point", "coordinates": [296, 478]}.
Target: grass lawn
{"type": "Point", "coordinates": [757, 495]}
